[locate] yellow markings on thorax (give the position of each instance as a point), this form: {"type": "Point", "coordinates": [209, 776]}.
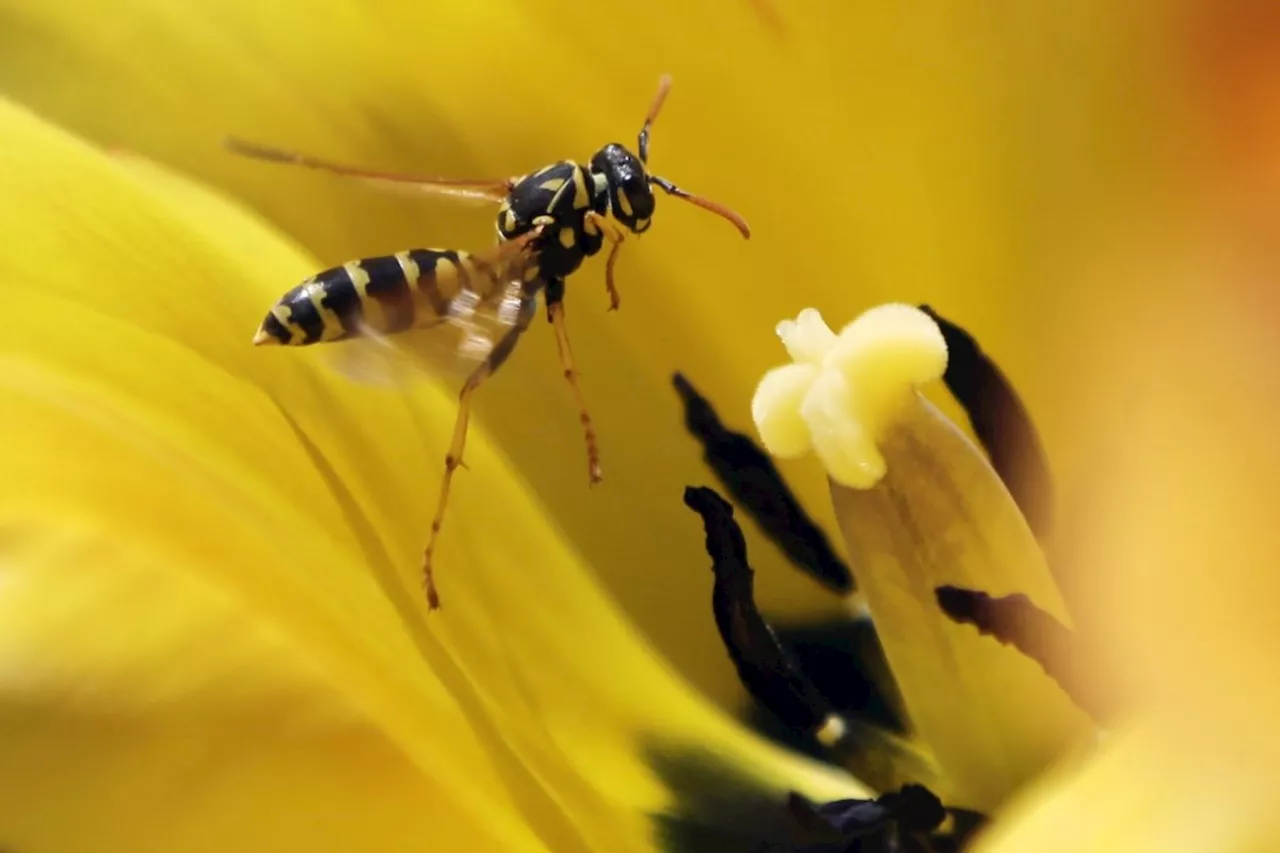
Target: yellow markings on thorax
{"type": "Point", "coordinates": [507, 217]}
{"type": "Point", "coordinates": [567, 238]}
{"type": "Point", "coordinates": [285, 316]}
{"type": "Point", "coordinates": [552, 185]}
{"type": "Point", "coordinates": [555, 199]}
{"type": "Point", "coordinates": [332, 323]}
{"type": "Point", "coordinates": [581, 197]}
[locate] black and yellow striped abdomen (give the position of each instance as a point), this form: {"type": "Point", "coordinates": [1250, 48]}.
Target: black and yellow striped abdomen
{"type": "Point", "coordinates": [383, 295]}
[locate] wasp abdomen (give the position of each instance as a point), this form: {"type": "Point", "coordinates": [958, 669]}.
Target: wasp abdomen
{"type": "Point", "coordinates": [383, 295]}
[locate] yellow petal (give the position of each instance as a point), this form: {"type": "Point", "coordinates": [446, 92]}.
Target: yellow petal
{"type": "Point", "coordinates": [941, 516]}
{"type": "Point", "coordinates": [1175, 546]}
{"type": "Point", "coordinates": [244, 533]}
{"type": "Point", "coordinates": [137, 431]}
{"type": "Point", "coordinates": [869, 147]}
{"type": "Point", "coordinates": [1148, 789]}
{"type": "Point", "coordinates": [146, 710]}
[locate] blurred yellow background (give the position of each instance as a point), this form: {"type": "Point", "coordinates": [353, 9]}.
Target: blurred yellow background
{"type": "Point", "coordinates": [970, 157]}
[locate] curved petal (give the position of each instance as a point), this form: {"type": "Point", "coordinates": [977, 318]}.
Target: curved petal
{"type": "Point", "coordinates": [1146, 790]}
{"type": "Point", "coordinates": [144, 709]}
{"type": "Point", "coordinates": [872, 149]}
{"type": "Point", "coordinates": [146, 456]}
{"type": "Point", "coordinates": [207, 542]}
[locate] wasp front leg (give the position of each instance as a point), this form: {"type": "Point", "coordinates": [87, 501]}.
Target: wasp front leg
{"type": "Point", "coordinates": [555, 313]}
{"type": "Point", "coordinates": [453, 460]}
{"type": "Point", "coordinates": [598, 223]}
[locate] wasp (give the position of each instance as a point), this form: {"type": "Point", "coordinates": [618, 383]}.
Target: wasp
{"type": "Point", "coordinates": [475, 306]}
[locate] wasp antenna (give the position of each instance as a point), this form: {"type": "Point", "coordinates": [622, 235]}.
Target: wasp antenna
{"type": "Point", "coordinates": [664, 86]}
{"type": "Point", "coordinates": [704, 203]}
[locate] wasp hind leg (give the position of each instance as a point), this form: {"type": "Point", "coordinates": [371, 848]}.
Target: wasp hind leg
{"type": "Point", "coordinates": [453, 460]}
{"type": "Point", "coordinates": [615, 236]}
{"type": "Point", "coordinates": [555, 314]}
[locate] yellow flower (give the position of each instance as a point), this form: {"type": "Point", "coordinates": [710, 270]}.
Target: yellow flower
{"type": "Point", "coordinates": [871, 148]}
{"type": "Point", "coordinates": [213, 635]}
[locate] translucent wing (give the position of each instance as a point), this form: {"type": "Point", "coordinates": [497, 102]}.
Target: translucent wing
{"type": "Point", "coordinates": [495, 303]}
{"type": "Point", "coordinates": [494, 190]}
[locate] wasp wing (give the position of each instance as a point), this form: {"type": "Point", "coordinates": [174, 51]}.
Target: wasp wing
{"type": "Point", "coordinates": [491, 190]}
{"type": "Point", "coordinates": [481, 319]}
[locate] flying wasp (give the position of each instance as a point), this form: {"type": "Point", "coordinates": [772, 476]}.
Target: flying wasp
{"type": "Point", "coordinates": [474, 307]}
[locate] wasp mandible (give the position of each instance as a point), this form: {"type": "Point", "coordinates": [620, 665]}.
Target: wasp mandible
{"type": "Point", "coordinates": [548, 222]}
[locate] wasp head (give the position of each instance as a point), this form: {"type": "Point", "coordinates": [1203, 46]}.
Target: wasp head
{"type": "Point", "coordinates": [627, 183]}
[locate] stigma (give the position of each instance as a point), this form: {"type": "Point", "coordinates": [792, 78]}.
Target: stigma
{"type": "Point", "coordinates": [842, 392]}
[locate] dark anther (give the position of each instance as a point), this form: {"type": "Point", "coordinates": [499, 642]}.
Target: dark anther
{"type": "Point", "coordinates": [773, 676]}
{"type": "Point", "coordinates": [751, 478]}
{"type": "Point", "coordinates": [909, 819]}
{"type": "Point", "coordinates": [720, 807]}
{"type": "Point", "coordinates": [1001, 423]}
{"type": "Point", "coordinates": [1015, 621]}
{"type": "Point", "coordinates": [914, 809]}
{"type": "Point", "coordinates": [766, 669]}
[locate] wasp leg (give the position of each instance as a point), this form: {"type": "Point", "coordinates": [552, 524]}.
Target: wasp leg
{"type": "Point", "coordinates": [453, 460]}
{"type": "Point", "coordinates": [615, 236]}
{"type": "Point", "coordinates": [555, 313]}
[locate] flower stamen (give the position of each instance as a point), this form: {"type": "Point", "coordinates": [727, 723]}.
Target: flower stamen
{"type": "Point", "coordinates": [843, 391]}
{"type": "Point", "coordinates": [1015, 621]}
{"type": "Point", "coordinates": [754, 482]}
{"type": "Point", "coordinates": [920, 506]}
{"type": "Point", "coordinates": [877, 757]}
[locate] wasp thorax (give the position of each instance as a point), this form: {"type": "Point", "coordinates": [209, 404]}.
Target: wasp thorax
{"type": "Point", "coordinates": [630, 196]}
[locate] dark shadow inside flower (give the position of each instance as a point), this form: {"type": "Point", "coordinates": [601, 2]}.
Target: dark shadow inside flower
{"type": "Point", "coordinates": [845, 663]}
{"type": "Point", "coordinates": [722, 810]}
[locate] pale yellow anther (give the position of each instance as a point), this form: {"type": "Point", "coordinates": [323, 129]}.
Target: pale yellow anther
{"type": "Point", "coordinates": [845, 390]}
